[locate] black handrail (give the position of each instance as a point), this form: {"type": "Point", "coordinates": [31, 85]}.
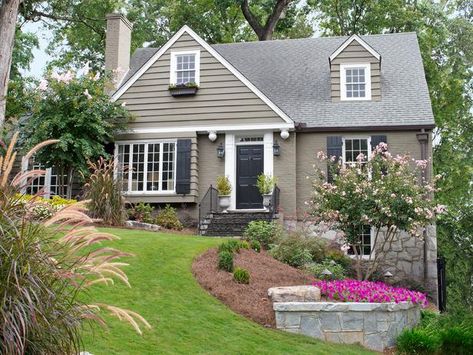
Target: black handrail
{"type": "Point", "coordinates": [274, 206]}
{"type": "Point", "coordinates": [208, 204]}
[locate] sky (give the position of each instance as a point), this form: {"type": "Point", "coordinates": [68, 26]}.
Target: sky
{"type": "Point", "coordinates": [40, 56]}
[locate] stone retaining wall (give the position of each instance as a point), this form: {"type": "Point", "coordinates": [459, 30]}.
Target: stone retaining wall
{"type": "Point", "coordinates": [373, 325]}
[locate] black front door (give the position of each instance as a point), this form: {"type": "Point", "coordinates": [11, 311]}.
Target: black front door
{"type": "Point", "coordinates": [250, 164]}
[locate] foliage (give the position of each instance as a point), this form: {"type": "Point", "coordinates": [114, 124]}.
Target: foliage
{"type": "Point", "coordinates": [242, 276]}
{"type": "Point", "coordinates": [103, 191]}
{"type": "Point", "coordinates": [266, 233]}
{"type": "Point", "coordinates": [266, 183]}
{"type": "Point", "coordinates": [337, 270]}
{"type": "Point", "coordinates": [232, 246]}
{"type": "Point", "coordinates": [78, 111]}
{"type": "Point", "coordinates": [255, 245]}
{"type": "Point", "coordinates": [225, 260]}
{"type": "Point", "coordinates": [47, 268]}
{"type": "Point", "coordinates": [43, 208]}
{"type": "Point", "coordinates": [142, 212]}
{"type": "Point", "coordinates": [168, 218]}
{"type": "Point", "coordinates": [292, 250]}
{"type": "Point", "coordinates": [445, 333]}
{"type": "Point", "coordinates": [244, 245]}
{"type": "Point", "coordinates": [367, 291]}
{"type": "Point", "coordinates": [383, 192]}
{"type": "Point", "coordinates": [183, 85]}
{"type": "Point", "coordinates": [224, 187]}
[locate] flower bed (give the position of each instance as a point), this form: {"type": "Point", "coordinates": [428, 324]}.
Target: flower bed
{"type": "Point", "coordinates": [366, 291]}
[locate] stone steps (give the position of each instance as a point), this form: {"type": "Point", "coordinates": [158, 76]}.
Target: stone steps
{"type": "Point", "coordinates": [230, 224]}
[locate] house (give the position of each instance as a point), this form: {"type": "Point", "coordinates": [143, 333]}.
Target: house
{"type": "Point", "coordinates": [266, 107]}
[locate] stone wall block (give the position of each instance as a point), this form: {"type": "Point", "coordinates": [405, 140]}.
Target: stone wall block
{"type": "Point", "coordinates": [352, 321]}
{"type": "Point", "coordinates": [330, 321]}
{"type": "Point", "coordinates": [346, 337]}
{"type": "Point", "coordinates": [311, 326]}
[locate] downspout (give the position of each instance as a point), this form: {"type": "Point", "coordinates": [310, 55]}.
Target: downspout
{"type": "Point", "coordinates": [423, 138]}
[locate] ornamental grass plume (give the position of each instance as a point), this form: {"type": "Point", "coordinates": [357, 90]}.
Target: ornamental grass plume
{"type": "Point", "coordinates": [45, 268]}
{"type": "Point", "coordinates": [367, 291]}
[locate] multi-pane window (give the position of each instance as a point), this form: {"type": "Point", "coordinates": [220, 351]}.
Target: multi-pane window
{"type": "Point", "coordinates": [48, 184]}
{"type": "Point", "coordinates": [353, 148]}
{"type": "Point", "coordinates": [185, 68]}
{"type": "Point", "coordinates": [363, 247]}
{"type": "Point", "coordinates": [147, 167]}
{"type": "Point", "coordinates": [355, 81]}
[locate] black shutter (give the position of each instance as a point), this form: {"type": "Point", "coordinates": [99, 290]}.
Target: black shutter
{"type": "Point", "coordinates": [183, 168]}
{"type": "Point", "coordinates": [334, 149]}
{"type": "Point", "coordinates": [375, 140]}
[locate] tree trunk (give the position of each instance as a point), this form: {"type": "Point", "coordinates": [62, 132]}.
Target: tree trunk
{"type": "Point", "coordinates": [8, 16]}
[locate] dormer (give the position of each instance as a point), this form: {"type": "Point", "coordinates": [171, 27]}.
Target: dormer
{"type": "Point", "coordinates": [355, 72]}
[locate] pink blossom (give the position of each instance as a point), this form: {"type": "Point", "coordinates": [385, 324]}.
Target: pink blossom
{"type": "Point", "coordinates": [439, 209]}
{"type": "Point", "coordinates": [422, 163]}
{"type": "Point", "coordinates": [321, 155]}
{"type": "Point", "coordinates": [43, 85]}
{"type": "Point", "coordinates": [360, 157]}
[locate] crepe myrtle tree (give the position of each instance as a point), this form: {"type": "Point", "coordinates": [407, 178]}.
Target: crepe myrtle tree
{"type": "Point", "coordinates": [76, 110]}
{"type": "Point", "coordinates": [386, 192]}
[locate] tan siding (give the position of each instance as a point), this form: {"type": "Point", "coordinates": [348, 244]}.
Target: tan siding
{"type": "Point", "coordinates": [308, 144]}
{"type": "Point", "coordinates": [221, 99]}
{"type": "Point", "coordinates": [355, 53]}
{"type": "Point", "coordinates": [209, 165]}
{"type": "Point", "coordinates": [285, 171]}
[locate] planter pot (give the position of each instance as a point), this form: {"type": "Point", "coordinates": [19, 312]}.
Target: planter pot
{"type": "Point", "coordinates": [224, 201]}
{"type": "Point", "coordinates": [267, 200]}
{"type": "Point", "coordinates": [183, 91]}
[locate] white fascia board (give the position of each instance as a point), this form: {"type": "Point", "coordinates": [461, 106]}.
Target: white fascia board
{"type": "Point", "coordinates": [360, 41]}
{"type": "Point", "coordinates": [216, 55]}
{"type": "Point", "coordinates": [229, 128]}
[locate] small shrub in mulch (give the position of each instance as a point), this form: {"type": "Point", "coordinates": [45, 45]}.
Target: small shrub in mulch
{"type": "Point", "coordinates": [225, 260]}
{"type": "Point", "coordinates": [231, 246]}
{"type": "Point", "coordinates": [250, 300]}
{"type": "Point", "coordinates": [241, 276]}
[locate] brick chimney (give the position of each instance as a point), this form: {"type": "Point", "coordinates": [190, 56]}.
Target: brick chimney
{"type": "Point", "coordinates": [117, 45]}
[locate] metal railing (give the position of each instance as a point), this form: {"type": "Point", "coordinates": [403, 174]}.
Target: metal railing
{"type": "Point", "coordinates": [274, 206]}
{"type": "Point", "coordinates": [208, 204]}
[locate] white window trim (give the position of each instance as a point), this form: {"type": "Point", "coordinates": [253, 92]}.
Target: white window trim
{"type": "Point", "coordinates": [174, 54]}
{"type": "Point", "coordinates": [368, 138]}
{"type": "Point", "coordinates": [343, 78]}
{"type": "Point", "coordinates": [366, 257]}
{"type": "Point", "coordinates": [159, 192]}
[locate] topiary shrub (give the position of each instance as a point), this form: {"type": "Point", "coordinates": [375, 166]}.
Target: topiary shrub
{"type": "Point", "coordinates": [418, 341]}
{"type": "Point", "coordinates": [242, 276]}
{"type": "Point", "coordinates": [225, 260]}
{"type": "Point", "coordinates": [255, 245]}
{"type": "Point", "coordinates": [266, 233]}
{"type": "Point", "coordinates": [337, 270]}
{"type": "Point", "coordinates": [168, 218]}
{"type": "Point", "coordinates": [231, 246]}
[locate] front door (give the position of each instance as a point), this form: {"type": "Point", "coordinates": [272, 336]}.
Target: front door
{"type": "Point", "coordinates": [250, 164]}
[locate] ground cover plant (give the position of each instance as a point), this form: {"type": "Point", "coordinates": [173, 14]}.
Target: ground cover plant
{"type": "Point", "coordinates": [186, 319]}
{"type": "Point", "coordinates": [439, 334]}
{"type": "Point", "coordinates": [266, 233]}
{"type": "Point", "coordinates": [241, 275]}
{"type": "Point", "coordinates": [168, 218]}
{"type": "Point", "coordinates": [367, 291]}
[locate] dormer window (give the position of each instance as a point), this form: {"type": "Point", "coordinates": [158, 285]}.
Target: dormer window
{"type": "Point", "coordinates": [185, 68]}
{"type": "Point", "coordinates": [355, 82]}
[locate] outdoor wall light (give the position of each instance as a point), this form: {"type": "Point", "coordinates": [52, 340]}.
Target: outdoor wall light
{"type": "Point", "coordinates": [212, 136]}
{"type": "Point", "coordinates": [284, 134]}
{"type": "Point", "coordinates": [276, 149]}
{"type": "Point", "coordinates": [220, 151]}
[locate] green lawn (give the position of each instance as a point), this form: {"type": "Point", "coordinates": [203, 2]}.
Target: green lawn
{"type": "Point", "coordinates": [185, 319]}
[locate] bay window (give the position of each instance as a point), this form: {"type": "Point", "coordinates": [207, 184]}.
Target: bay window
{"type": "Point", "coordinates": [147, 167]}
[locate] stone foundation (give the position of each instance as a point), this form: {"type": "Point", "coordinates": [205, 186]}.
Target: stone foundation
{"type": "Point", "coordinates": [373, 325]}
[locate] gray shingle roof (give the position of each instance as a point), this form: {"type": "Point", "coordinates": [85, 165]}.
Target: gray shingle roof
{"type": "Point", "coordinates": [295, 75]}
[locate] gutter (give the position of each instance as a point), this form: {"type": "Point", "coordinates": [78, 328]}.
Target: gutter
{"type": "Point", "coordinates": [302, 127]}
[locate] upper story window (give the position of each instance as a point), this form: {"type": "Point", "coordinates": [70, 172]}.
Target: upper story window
{"type": "Point", "coordinates": [353, 147]}
{"type": "Point", "coordinates": [355, 81]}
{"type": "Point", "coordinates": [185, 67]}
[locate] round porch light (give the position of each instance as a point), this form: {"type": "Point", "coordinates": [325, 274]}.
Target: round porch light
{"type": "Point", "coordinates": [284, 134]}
{"type": "Point", "coordinates": [212, 136]}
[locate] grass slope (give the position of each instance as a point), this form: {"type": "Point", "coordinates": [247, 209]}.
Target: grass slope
{"type": "Point", "coordinates": [185, 319]}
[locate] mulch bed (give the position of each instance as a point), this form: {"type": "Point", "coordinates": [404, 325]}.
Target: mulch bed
{"type": "Point", "coordinates": [249, 300]}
